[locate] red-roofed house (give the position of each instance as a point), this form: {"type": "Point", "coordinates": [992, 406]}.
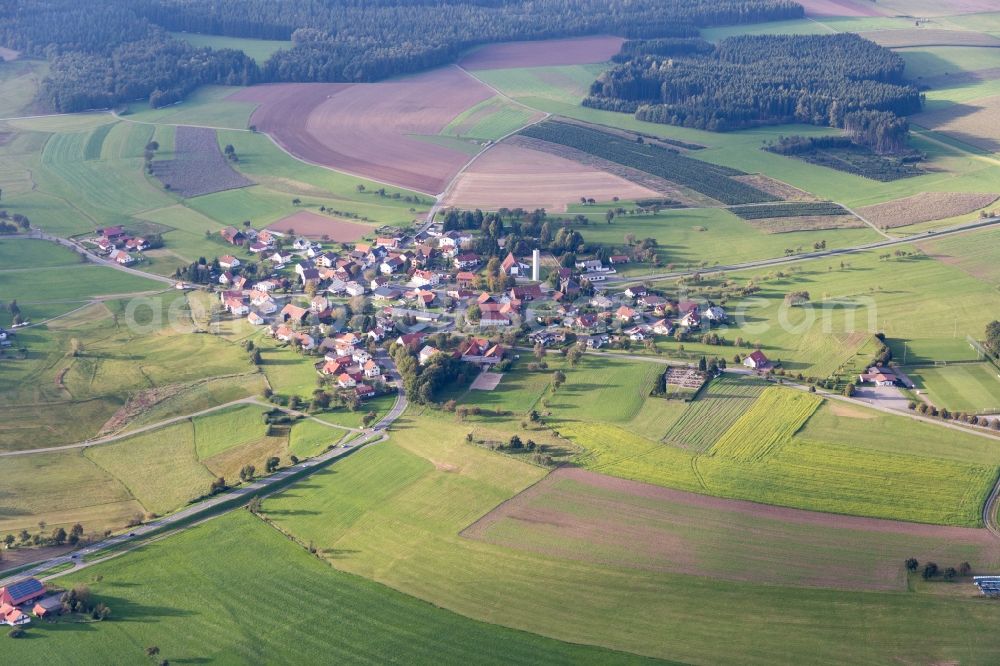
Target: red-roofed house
{"type": "Point", "coordinates": [757, 361]}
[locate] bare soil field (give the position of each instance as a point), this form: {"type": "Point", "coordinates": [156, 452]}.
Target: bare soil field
{"type": "Point", "coordinates": [840, 8]}
{"type": "Point", "coordinates": [975, 123]}
{"type": "Point", "coordinates": [780, 225]}
{"type": "Point", "coordinates": [645, 180]}
{"type": "Point", "coordinates": [545, 53]}
{"type": "Point", "coordinates": [314, 225]}
{"type": "Point", "coordinates": [925, 207]}
{"type": "Point", "coordinates": [783, 191]}
{"type": "Point", "coordinates": [930, 37]}
{"type": "Point", "coordinates": [366, 129]}
{"type": "Point", "coordinates": [583, 516]}
{"type": "Point", "coordinates": [512, 176]}
{"type": "Point", "coordinates": [935, 7]}
{"type": "Point", "coordinates": [198, 165]}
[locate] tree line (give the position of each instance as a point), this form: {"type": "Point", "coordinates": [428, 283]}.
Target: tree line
{"type": "Point", "coordinates": [108, 52]}
{"type": "Point", "coordinates": [841, 81]}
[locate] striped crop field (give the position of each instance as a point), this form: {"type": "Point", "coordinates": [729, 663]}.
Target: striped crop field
{"type": "Point", "coordinates": [707, 418]}
{"type": "Point", "coordinates": [774, 418]}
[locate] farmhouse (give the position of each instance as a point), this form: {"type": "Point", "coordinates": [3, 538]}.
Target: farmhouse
{"type": "Point", "coordinates": [256, 318]}
{"type": "Point", "coordinates": [229, 261]}
{"type": "Point", "coordinates": [627, 314]}
{"type": "Point", "coordinates": [757, 361]}
{"type": "Point", "coordinates": [511, 266]}
{"type": "Point", "coordinates": [878, 376]}
{"type": "Point", "coordinates": [482, 352]}
{"type": "Point", "coordinates": [364, 391]}
{"type": "Point", "coordinates": [121, 257]}
{"type": "Point", "coordinates": [21, 592]}
{"type": "Point", "coordinates": [233, 236]}
{"type": "Point", "coordinates": [466, 260]}
{"type": "Point", "coordinates": [294, 313]}
{"type": "Point", "coordinates": [427, 353]}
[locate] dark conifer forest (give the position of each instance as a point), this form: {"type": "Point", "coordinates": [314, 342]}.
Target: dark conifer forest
{"type": "Point", "coordinates": [841, 81]}
{"type": "Point", "coordinates": [106, 52]}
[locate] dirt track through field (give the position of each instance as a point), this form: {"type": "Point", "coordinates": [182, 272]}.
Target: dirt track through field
{"type": "Point", "coordinates": [544, 53]}
{"type": "Point", "coordinates": [368, 129]}
{"type": "Point", "coordinates": [584, 516]}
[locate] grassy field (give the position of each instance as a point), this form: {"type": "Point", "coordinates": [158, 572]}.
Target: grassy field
{"type": "Point", "coordinates": [206, 106]}
{"type": "Point", "coordinates": [363, 621]}
{"type": "Point", "coordinates": [757, 433]}
{"type": "Point", "coordinates": [966, 387]}
{"type": "Point", "coordinates": [490, 120]}
{"type": "Point", "coordinates": [559, 91]}
{"type": "Point", "coordinates": [309, 438]}
{"type": "Point", "coordinates": [19, 82]}
{"type": "Point", "coordinates": [258, 49]}
{"type": "Point", "coordinates": [590, 518]}
{"type": "Point", "coordinates": [62, 489]}
{"type": "Point", "coordinates": [399, 508]}
{"type": "Point", "coordinates": [761, 458]}
{"type": "Point", "coordinates": [29, 253]}
{"type": "Point", "coordinates": [707, 236]}
{"type": "Point", "coordinates": [719, 406]}
{"type": "Point", "coordinates": [159, 468]}
{"type": "Point", "coordinates": [216, 432]}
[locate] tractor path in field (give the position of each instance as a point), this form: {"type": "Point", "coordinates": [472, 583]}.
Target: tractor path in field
{"type": "Point", "coordinates": [176, 419]}
{"type": "Point", "coordinates": [219, 504]}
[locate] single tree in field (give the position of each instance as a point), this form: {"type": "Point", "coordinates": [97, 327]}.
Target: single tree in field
{"type": "Point", "coordinates": [950, 573]}
{"type": "Point", "coordinates": [247, 473]}
{"type": "Point", "coordinates": [558, 379]}
{"type": "Point", "coordinates": [912, 564]}
{"type": "Point", "coordinates": [964, 569]}
{"type": "Point", "coordinates": [609, 216]}
{"type": "Point", "coordinates": [296, 201]}
{"type": "Point", "coordinates": [152, 651]}
{"type": "Point", "coordinates": [930, 570]}
{"type": "Point", "coordinates": [272, 464]}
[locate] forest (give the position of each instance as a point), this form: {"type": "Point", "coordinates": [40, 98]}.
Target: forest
{"type": "Point", "coordinates": [841, 81]}
{"type": "Point", "coordinates": [106, 52]}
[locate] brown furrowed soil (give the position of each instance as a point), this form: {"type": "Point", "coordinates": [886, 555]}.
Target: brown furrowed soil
{"type": "Point", "coordinates": [839, 8]}
{"type": "Point", "coordinates": [663, 187]}
{"type": "Point", "coordinates": [925, 207]}
{"type": "Point", "coordinates": [974, 123]}
{"type": "Point", "coordinates": [512, 176]}
{"type": "Point", "coordinates": [367, 129]}
{"type": "Point", "coordinates": [545, 53]}
{"type": "Point", "coordinates": [314, 225]}
{"type": "Point", "coordinates": [583, 516]}
{"type": "Point", "coordinates": [780, 225]}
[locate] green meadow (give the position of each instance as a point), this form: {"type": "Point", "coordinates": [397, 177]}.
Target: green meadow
{"type": "Point", "coordinates": [258, 49]}
{"type": "Point", "coordinates": [394, 513]}
{"type": "Point", "coordinates": [966, 387]}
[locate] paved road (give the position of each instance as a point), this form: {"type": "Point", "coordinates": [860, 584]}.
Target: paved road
{"type": "Point", "coordinates": [260, 488]}
{"type": "Point", "coordinates": [797, 258]}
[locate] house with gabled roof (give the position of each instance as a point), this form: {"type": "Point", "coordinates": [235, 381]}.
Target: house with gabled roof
{"type": "Point", "coordinates": [294, 313]}
{"type": "Point", "coordinates": [233, 236]}
{"type": "Point", "coordinates": [757, 360]}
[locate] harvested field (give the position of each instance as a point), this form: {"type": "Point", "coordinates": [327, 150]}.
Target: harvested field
{"type": "Point", "coordinates": [367, 129]}
{"type": "Point", "coordinates": [685, 195]}
{"type": "Point", "coordinates": [782, 225]}
{"type": "Point", "coordinates": [930, 37]}
{"type": "Point", "coordinates": [486, 381]}
{"type": "Point", "coordinates": [545, 53]}
{"type": "Point", "coordinates": [314, 225]}
{"type": "Point", "coordinates": [840, 8]}
{"type": "Point", "coordinates": [974, 122]}
{"type": "Point", "coordinates": [956, 79]}
{"type": "Point", "coordinates": [936, 7]}
{"type": "Point", "coordinates": [583, 516]}
{"type": "Point", "coordinates": [198, 166]}
{"type": "Point", "coordinates": [8, 55]}
{"type": "Point", "coordinates": [512, 176]}
{"type": "Point", "coordinates": [925, 207]}
{"type": "Point", "coordinates": [783, 191]}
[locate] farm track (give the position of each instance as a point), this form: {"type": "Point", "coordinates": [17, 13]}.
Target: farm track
{"type": "Point", "coordinates": [219, 504]}
{"type": "Point", "coordinates": [176, 419]}
{"type": "Point", "coordinates": [808, 256]}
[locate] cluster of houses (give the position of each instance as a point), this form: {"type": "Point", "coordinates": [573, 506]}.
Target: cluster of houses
{"type": "Point", "coordinates": [478, 351]}
{"type": "Point", "coordinates": [118, 245]}
{"type": "Point", "coordinates": [347, 361]}
{"type": "Point", "coordinates": [26, 597]}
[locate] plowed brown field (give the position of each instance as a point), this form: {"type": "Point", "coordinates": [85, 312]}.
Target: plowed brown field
{"type": "Point", "coordinates": [366, 128]}
{"type": "Point", "coordinates": [313, 225]}
{"type": "Point", "coordinates": [546, 53]}
{"type": "Point", "coordinates": [509, 176]}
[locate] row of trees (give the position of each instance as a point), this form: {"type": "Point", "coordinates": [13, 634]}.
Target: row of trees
{"type": "Point", "coordinates": [106, 52]}
{"type": "Point", "coordinates": [838, 80]}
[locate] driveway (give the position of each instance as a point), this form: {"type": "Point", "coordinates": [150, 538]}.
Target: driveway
{"type": "Point", "coordinates": [889, 397]}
